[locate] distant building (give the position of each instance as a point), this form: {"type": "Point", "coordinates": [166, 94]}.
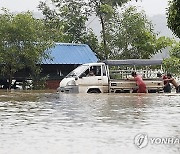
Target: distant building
{"type": "Point", "coordinates": [65, 58]}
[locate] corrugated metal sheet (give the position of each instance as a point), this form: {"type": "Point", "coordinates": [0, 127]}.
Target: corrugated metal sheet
{"type": "Point", "coordinates": [67, 53]}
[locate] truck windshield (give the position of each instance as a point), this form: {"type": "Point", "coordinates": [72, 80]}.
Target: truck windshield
{"type": "Point", "coordinates": [79, 70]}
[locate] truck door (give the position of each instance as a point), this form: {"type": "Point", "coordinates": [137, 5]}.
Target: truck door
{"type": "Point", "coordinates": [94, 77]}
{"type": "Point", "coordinates": [91, 77]}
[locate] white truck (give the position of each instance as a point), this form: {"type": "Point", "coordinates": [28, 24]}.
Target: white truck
{"type": "Point", "coordinates": [97, 78]}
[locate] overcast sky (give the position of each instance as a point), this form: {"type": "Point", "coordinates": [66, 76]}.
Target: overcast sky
{"type": "Point", "coordinates": [151, 7]}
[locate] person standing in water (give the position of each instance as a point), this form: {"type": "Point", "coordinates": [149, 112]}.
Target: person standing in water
{"type": "Point", "coordinates": [167, 86]}
{"type": "Point", "coordinates": [140, 83]}
{"type": "Point", "coordinates": [171, 80]}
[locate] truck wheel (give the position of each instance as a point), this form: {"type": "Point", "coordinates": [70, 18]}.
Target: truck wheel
{"type": "Point", "coordinates": [94, 91]}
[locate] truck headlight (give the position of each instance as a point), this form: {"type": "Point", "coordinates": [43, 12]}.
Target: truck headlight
{"type": "Point", "coordinates": [71, 83]}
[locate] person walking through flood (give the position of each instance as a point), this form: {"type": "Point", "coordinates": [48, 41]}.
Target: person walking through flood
{"type": "Point", "coordinates": [167, 86]}
{"type": "Point", "coordinates": [170, 79]}
{"type": "Point", "coordinates": [140, 83]}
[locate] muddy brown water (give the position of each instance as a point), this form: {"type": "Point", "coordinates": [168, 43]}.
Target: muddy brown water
{"type": "Point", "coordinates": [51, 123]}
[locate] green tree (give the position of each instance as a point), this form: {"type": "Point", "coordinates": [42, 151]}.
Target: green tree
{"type": "Point", "coordinates": [23, 43]}
{"type": "Point", "coordinates": [67, 22]}
{"type": "Point", "coordinates": [173, 16]}
{"type": "Point", "coordinates": [105, 9]}
{"type": "Point", "coordinates": [172, 64]}
{"type": "Point", "coordinates": [125, 35]}
{"type": "Point", "coordinates": [68, 19]}
{"type": "Point", "coordinates": [91, 39]}
{"type": "Point", "coordinates": [54, 26]}
{"type": "Point", "coordinates": [133, 36]}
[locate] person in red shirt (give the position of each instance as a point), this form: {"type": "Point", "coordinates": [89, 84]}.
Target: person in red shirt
{"type": "Point", "coordinates": [140, 83]}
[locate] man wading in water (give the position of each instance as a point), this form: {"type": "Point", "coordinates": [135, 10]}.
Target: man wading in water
{"type": "Point", "coordinates": [167, 86]}
{"type": "Point", "coordinates": [170, 79]}
{"type": "Point", "coordinates": [139, 81]}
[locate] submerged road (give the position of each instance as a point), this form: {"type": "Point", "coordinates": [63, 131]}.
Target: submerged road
{"type": "Point", "coordinates": [90, 124]}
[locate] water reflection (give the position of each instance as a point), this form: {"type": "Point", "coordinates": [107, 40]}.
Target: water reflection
{"type": "Point", "coordinates": [91, 123]}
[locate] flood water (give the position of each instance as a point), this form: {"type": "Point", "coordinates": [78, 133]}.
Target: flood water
{"type": "Point", "coordinates": [89, 124]}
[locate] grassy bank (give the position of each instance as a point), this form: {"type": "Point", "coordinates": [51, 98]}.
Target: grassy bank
{"type": "Point", "coordinates": [27, 95]}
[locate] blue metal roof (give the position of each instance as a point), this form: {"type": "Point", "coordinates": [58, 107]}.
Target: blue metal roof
{"type": "Point", "coordinates": [67, 53]}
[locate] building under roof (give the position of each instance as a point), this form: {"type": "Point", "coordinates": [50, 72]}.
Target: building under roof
{"type": "Point", "coordinates": [65, 58]}
{"type": "Point", "coordinates": [67, 53]}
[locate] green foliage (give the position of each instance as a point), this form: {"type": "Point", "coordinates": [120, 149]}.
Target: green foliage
{"type": "Point", "coordinates": [67, 22]}
{"type": "Point", "coordinates": [172, 64]}
{"type": "Point", "coordinates": [175, 51]}
{"type": "Point", "coordinates": [105, 10]}
{"type": "Point", "coordinates": [54, 26]}
{"type": "Point", "coordinates": [74, 19]}
{"type": "Point", "coordinates": [91, 39]}
{"type": "Point", "coordinates": [126, 35]}
{"type": "Point", "coordinates": [133, 36]}
{"type": "Point", "coordinates": [39, 82]}
{"type": "Point", "coordinates": [105, 7]}
{"type": "Point", "coordinates": [173, 16]}
{"type": "Point", "coordinates": [22, 43]}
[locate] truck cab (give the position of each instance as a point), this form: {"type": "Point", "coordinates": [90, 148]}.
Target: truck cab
{"type": "Point", "coordinates": [87, 78]}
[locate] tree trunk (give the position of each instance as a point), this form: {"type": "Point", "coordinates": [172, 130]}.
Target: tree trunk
{"type": "Point", "coordinates": [10, 77]}
{"type": "Point", "coordinates": [104, 37]}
